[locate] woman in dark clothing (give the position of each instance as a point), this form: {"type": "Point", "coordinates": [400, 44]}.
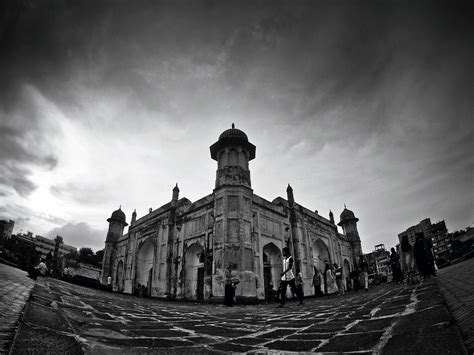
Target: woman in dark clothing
{"type": "Point", "coordinates": [421, 258]}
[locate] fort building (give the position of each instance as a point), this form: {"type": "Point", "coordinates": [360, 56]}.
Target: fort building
{"type": "Point", "coordinates": [185, 250]}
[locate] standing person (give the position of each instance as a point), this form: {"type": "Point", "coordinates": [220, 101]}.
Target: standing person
{"type": "Point", "coordinates": [317, 282]}
{"type": "Point", "coordinates": [395, 265]}
{"type": "Point", "coordinates": [229, 288]}
{"type": "Point", "coordinates": [430, 256]}
{"type": "Point", "coordinates": [109, 282]}
{"type": "Point", "coordinates": [331, 286]}
{"type": "Point", "coordinates": [299, 284]}
{"type": "Point", "coordinates": [339, 276]}
{"type": "Point", "coordinates": [421, 258]}
{"type": "Point", "coordinates": [365, 272]}
{"type": "Point", "coordinates": [288, 278]}
{"type": "Point", "coordinates": [407, 257]}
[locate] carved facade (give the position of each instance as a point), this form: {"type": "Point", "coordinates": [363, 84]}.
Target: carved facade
{"type": "Point", "coordinates": [184, 249]}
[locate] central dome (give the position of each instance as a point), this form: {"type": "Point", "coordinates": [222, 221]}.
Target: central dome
{"type": "Point", "coordinates": [233, 133]}
{"type": "Point", "coordinates": [232, 137]}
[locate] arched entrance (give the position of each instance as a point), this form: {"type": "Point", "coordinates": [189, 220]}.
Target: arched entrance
{"type": "Point", "coordinates": [145, 261]}
{"type": "Point", "coordinates": [119, 276]}
{"type": "Point", "coordinates": [320, 255]}
{"type": "Point", "coordinates": [272, 267]}
{"type": "Point", "coordinates": [194, 280]}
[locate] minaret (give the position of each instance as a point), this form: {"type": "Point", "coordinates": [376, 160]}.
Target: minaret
{"type": "Point", "coordinates": [172, 279]}
{"type": "Point", "coordinates": [232, 242]}
{"type": "Point", "coordinates": [331, 217]}
{"type": "Point", "coordinates": [134, 216]}
{"type": "Point", "coordinates": [348, 223]}
{"type": "Point", "coordinates": [294, 244]}
{"type": "Point", "coordinates": [175, 195]}
{"type": "Point", "coordinates": [116, 225]}
{"type": "Point", "coordinates": [233, 151]}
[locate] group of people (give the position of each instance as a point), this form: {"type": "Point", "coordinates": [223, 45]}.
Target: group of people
{"type": "Point", "coordinates": [419, 255]}
{"type": "Point", "coordinates": [329, 282]}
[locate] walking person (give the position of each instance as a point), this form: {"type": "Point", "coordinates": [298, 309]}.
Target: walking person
{"type": "Point", "coordinates": [317, 282]}
{"type": "Point", "coordinates": [421, 257]}
{"type": "Point", "coordinates": [338, 272]}
{"type": "Point", "coordinates": [330, 279]}
{"type": "Point", "coordinates": [365, 272]}
{"type": "Point", "coordinates": [288, 278]}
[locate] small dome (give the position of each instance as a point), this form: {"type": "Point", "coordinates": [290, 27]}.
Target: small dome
{"type": "Point", "coordinates": [118, 216]}
{"type": "Point", "coordinates": [230, 137]}
{"type": "Point", "coordinates": [233, 133]}
{"type": "Point", "coordinates": [347, 215]}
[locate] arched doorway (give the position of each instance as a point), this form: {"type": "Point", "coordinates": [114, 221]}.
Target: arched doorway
{"type": "Point", "coordinates": [119, 276]}
{"type": "Point", "coordinates": [320, 255]}
{"type": "Point", "coordinates": [194, 280]}
{"type": "Point", "coordinates": [145, 261]}
{"type": "Point", "coordinates": [272, 267]}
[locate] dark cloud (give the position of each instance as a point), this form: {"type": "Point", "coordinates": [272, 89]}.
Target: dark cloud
{"type": "Point", "coordinates": [80, 235]}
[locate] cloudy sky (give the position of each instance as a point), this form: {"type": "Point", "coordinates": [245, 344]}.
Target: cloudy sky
{"type": "Point", "coordinates": [108, 103]}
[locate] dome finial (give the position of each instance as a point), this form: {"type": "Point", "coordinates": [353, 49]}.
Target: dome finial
{"type": "Point", "coordinates": [345, 206]}
{"type": "Point", "coordinates": [120, 207]}
{"type": "Point", "coordinates": [233, 126]}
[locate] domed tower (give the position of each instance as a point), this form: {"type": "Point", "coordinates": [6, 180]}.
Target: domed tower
{"type": "Point", "coordinates": [348, 222]}
{"type": "Point", "coordinates": [232, 245]}
{"type": "Point", "coordinates": [116, 225]}
{"type": "Point", "coordinates": [233, 151]}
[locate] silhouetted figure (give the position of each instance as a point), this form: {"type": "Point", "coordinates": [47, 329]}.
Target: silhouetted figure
{"type": "Point", "coordinates": [421, 256]}
{"type": "Point", "coordinates": [395, 266]}
{"type": "Point", "coordinates": [317, 283]}
{"type": "Point", "coordinates": [229, 288]}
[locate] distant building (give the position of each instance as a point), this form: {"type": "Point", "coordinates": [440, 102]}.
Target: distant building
{"type": "Point", "coordinates": [378, 260]}
{"type": "Point", "coordinates": [187, 250]}
{"type": "Point", "coordinates": [462, 242]}
{"type": "Point", "coordinates": [44, 246]}
{"type": "Point", "coordinates": [436, 234]}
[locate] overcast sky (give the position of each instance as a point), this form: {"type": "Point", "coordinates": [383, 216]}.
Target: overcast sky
{"type": "Point", "coordinates": [108, 103]}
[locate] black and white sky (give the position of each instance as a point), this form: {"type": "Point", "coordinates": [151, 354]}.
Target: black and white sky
{"type": "Point", "coordinates": [108, 103]}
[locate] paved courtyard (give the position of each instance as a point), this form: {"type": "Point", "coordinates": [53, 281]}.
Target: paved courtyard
{"type": "Point", "coordinates": [63, 317]}
{"type": "Point", "coordinates": [430, 317]}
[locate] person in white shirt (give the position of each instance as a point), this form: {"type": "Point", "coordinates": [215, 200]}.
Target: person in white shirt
{"type": "Point", "coordinates": [288, 278]}
{"type": "Point", "coordinates": [40, 270]}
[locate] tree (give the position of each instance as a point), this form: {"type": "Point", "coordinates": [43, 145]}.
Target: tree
{"type": "Point", "coordinates": [99, 255]}
{"type": "Point", "coordinates": [86, 255]}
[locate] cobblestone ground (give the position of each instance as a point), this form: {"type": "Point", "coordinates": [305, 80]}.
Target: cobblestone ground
{"type": "Point", "coordinates": [457, 286]}
{"type": "Point", "coordinates": [62, 317]}
{"type": "Point", "coordinates": [14, 292]}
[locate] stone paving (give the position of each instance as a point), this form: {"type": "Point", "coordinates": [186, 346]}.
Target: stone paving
{"type": "Point", "coordinates": [14, 293]}
{"type": "Point", "coordinates": [392, 319]}
{"type": "Point", "coordinates": [456, 283]}
{"type": "Point", "coordinates": [389, 319]}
